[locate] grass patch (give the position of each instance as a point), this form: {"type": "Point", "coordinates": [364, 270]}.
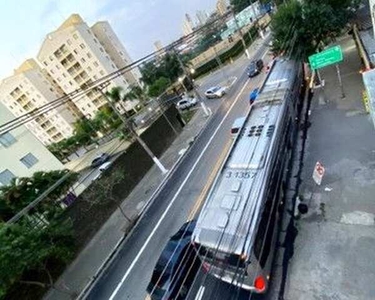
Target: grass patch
{"type": "Point", "coordinates": [187, 115]}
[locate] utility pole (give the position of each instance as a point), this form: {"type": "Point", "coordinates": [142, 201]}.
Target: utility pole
{"type": "Point", "coordinates": [240, 32]}
{"type": "Point", "coordinates": [133, 132]}
{"type": "Point", "coordinates": [196, 93]}
{"type": "Point", "coordinates": [340, 81]}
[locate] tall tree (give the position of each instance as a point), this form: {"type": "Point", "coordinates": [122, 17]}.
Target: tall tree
{"type": "Point", "coordinates": [239, 5]}
{"type": "Point", "coordinates": [22, 191]}
{"type": "Point", "coordinates": [159, 87]}
{"type": "Point", "coordinates": [25, 253]}
{"type": "Point", "coordinates": [300, 28]}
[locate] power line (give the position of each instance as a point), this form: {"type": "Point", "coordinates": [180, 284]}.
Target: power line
{"type": "Point", "coordinates": [21, 120]}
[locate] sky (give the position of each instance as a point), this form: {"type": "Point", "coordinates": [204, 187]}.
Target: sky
{"type": "Point", "coordinates": [138, 23]}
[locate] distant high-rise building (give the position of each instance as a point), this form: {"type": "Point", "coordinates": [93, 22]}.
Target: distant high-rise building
{"type": "Point", "coordinates": [158, 45]}
{"type": "Point", "coordinates": [221, 7]}
{"type": "Point", "coordinates": [31, 87]}
{"type": "Point", "coordinates": [201, 17]}
{"type": "Point", "coordinates": [188, 26]}
{"type": "Point", "coordinates": [76, 56]}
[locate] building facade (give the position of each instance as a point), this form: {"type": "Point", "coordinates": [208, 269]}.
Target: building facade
{"type": "Point", "coordinates": [221, 7]}
{"type": "Point", "coordinates": [117, 52]}
{"type": "Point", "coordinates": [31, 87]}
{"type": "Point", "coordinates": [372, 10]}
{"type": "Point", "coordinates": [22, 153]}
{"type": "Point", "coordinates": [188, 26]}
{"type": "Point", "coordinates": [75, 58]}
{"type": "Point", "coordinates": [201, 17]}
{"type": "Point", "coordinates": [158, 45]}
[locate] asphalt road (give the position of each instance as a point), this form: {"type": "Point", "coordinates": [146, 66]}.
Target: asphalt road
{"type": "Point", "coordinates": [131, 270]}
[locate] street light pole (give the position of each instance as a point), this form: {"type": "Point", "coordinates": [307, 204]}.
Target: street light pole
{"type": "Point", "coordinates": [196, 93]}
{"type": "Point", "coordinates": [181, 80]}
{"type": "Point", "coordinates": [134, 133]}
{"type": "Point", "coordinates": [240, 32]}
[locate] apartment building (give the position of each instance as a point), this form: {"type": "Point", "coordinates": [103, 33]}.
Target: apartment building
{"type": "Point", "coordinates": [188, 25]}
{"type": "Point", "coordinates": [31, 87]}
{"type": "Point", "coordinates": [75, 58]}
{"type": "Point", "coordinates": [221, 7]}
{"type": "Point", "coordinates": [117, 52]}
{"type": "Point", "coordinates": [22, 153]}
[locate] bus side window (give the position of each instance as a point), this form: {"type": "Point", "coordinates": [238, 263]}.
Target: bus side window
{"type": "Point", "coordinates": [263, 240]}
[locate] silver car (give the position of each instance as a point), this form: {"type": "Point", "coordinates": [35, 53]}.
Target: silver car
{"type": "Point", "coordinates": [186, 103]}
{"type": "Point", "coordinates": [215, 92]}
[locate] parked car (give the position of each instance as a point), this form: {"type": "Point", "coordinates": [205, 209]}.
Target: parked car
{"type": "Point", "coordinates": [99, 160]}
{"type": "Point", "coordinates": [255, 68]}
{"type": "Point", "coordinates": [102, 169]}
{"type": "Point", "coordinates": [237, 125]}
{"type": "Point", "coordinates": [172, 280]}
{"type": "Point", "coordinates": [186, 103]}
{"type": "Point", "coordinates": [215, 92]}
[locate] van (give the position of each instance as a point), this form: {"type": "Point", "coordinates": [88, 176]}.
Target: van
{"type": "Point", "coordinates": [237, 125]}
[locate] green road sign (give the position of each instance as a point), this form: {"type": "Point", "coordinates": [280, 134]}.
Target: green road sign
{"type": "Point", "coordinates": [325, 58]}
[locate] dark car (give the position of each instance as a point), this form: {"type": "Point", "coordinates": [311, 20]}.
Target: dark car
{"type": "Point", "coordinates": [176, 268]}
{"type": "Point", "coordinates": [99, 160]}
{"type": "Point", "coordinates": [255, 68]}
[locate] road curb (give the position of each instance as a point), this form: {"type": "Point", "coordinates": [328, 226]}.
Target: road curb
{"type": "Point", "coordinates": [107, 262]}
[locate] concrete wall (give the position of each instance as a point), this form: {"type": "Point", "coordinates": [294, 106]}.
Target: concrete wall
{"type": "Point", "coordinates": [134, 163]}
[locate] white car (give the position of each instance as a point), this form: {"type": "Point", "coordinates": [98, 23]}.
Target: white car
{"type": "Point", "coordinates": [101, 169]}
{"type": "Point", "coordinates": [215, 92]}
{"type": "Point", "coordinates": [186, 103]}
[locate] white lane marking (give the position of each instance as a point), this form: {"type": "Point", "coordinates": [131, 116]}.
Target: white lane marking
{"type": "Point", "coordinates": [200, 293]}
{"type": "Point", "coordinates": [175, 197]}
{"type": "Point", "coordinates": [265, 53]}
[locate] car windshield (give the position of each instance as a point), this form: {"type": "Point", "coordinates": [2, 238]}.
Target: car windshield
{"type": "Point", "coordinates": [252, 66]}
{"type": "Point", "coordinates": [215, 89]}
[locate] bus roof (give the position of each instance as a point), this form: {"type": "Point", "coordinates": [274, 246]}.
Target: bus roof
{"type": "Point", "coordinates": [230, 213]}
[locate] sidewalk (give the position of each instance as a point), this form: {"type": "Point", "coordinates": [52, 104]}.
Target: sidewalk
{"type": "Point", "coordinates": [85, 266]}
{"type": "Point", "coordinates": [334, 250]}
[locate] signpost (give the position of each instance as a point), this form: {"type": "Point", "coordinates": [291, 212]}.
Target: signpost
{"type": "Point", "coordinates": [326, 58]}
{"type": "Point", "coordinates": [318, 173]}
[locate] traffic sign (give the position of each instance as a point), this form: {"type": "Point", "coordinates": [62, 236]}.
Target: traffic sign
{"type": "Point", "coordinates": [325, 58]}
{"type": "Point", "coordinates": [318, 173]}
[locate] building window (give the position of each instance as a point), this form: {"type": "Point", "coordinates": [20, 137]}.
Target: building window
{"type": "Point", "coordinates": [96, 64]}
{"type": "Point", "coordinates": [95, 40]}
{"type": "Point", "coordinates": [6, 177]}
{"type": "Point", "coordinates": [57, 67]}
{"type": "Point", "coordinates": [50, 58]}
{"type": "Point", "coordinates": [52, 72]}
{"type": "Point", "coordinates": [89, 69]}
{"type": "Point", "coordinates": [45, 63]}
{"type": "Point", "coordinates": [58, 79]}
{"type": "Point", "coordinates": [121, 53]}
{"type": "Point", "coordinates": [95, 77]}
{"type": "Point", "coordinates": [64, 75]}
{"type": "Point", "coordinates": [101, 72]}
{"type": "Point", "coordinates": [38, 96]}
{"type": "Point", "coordinates": [29, 160]}
{"type": "Point", "coordinates": [75, 51]}
{"type": "Point", "coordinates": [88, 105]}
{"type": "Point", "coordinates": [69, 42]}
{"type": "Point", "coordinates": [88, 55]}
{"type": "Point", "coordinates": [88, 31]}
{"type": "Point", "coordinates": [113, 66]}
{"type": "Point", "coordinates": [51, 89]}
{"type": "Point", "coordinates": [82, 46]}
{"type": "Point", "coordinates": [101, 49]}
{"type": "Point", "coordinates": [71, 83]}
{"type": "Point", "coordinates": [7, 139]}
{"type": "Point", "coordinates": [83, 60]}
{"type": "Point", "coordinates": [75, 36]}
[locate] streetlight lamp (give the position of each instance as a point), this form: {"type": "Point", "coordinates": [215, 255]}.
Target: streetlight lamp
{"type": "Point", "coordinates": [181, 80]}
